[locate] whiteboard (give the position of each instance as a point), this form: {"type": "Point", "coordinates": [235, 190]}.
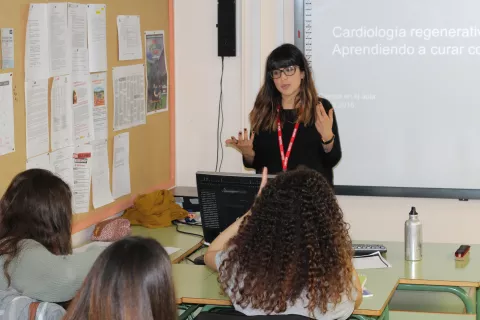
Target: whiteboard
{"type": "Point", "coordinates": [404, 79]}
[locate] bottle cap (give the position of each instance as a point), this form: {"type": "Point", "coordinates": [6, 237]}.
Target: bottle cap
{"type": "Point", "coordinates": [413, 212]}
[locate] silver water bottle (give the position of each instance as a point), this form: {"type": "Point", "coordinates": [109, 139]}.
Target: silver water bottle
{"type": "Point", "coordinates": [413, 237]}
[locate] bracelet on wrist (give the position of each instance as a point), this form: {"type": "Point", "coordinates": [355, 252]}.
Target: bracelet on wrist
{"type": "Point", "coordinates": [328, 141]}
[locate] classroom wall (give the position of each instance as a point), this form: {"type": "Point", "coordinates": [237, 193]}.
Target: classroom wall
{"type": "Point", "coordinates": [382, 219]}
{"type": "Point", "coordinates": [260, 26]}
{"type": "Point", "coordinates": [198, 71]}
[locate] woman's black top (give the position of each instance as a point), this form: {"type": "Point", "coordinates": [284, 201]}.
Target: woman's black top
{"type": "Point", "coordinates": [307, 148]}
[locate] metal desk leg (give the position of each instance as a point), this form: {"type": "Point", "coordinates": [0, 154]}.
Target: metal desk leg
{"type": "Point", "coordinates": [459, 292]}
{"type": "Point", "coordinates": [187, 313]}
{"type": "Point", "coordinates": [385, 314]}
{"type": "Point", "coordinates": [359, 317]}
{"type": "Point", "coordinates": [477, 298]}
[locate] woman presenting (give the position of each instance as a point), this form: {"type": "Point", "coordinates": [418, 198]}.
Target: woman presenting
{"type": "Point", "coordinates": [290, 125]}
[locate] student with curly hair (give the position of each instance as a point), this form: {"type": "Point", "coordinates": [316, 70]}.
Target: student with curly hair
{"type": "Point", "coordinates": [291, 254]}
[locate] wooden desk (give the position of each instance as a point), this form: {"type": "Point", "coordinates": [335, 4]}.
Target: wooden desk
{"type": "Point", "coordinates": [198, 285]}
{"type": "Point", "coordinates": [437, 267]}
{"type": "Point", "coordinates": [169, 237]}
{"type": "Point", "coordinates": [437, 271]}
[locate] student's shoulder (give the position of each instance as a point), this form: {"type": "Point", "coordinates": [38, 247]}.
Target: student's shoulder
{"type": "Point", "coordinates": [29, 244]}
{"type": "Point", "coordinates": [222, 255]}
{"type": "Point", "coordinates": [219, 257]}
{"type": "Point", "coordinates": [31, 253]}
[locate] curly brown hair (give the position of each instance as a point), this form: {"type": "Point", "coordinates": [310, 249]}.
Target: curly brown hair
{"type": "Point", "coordinates": [294, 242]}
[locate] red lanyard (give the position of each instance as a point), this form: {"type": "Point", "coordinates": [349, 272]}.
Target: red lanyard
{"type": "Point", "coordinates": [280, 141]}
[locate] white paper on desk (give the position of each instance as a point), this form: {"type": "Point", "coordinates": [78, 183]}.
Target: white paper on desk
{"type": "Point", "coordinates": [171, 250]}
{"type": "Point", "coordinates": [101, 193]}
{"type": "Point", "coordinates": [77, 24]}
{"type": "Point", "coordinates": [371, 261]}
{"type": "Point", "coordinates": [121, 165]}
{"type": "Point", "coordinates": [100, 114]}
{"type": "Point", "coordinates": [129, 97]}
{"type": "Point", "coordinates": [59, 37]}
{"type": "Point", "coordinates": [97, 36]}
{"type": "Point", "coordinates": [61, 113]}
{"type": "Point", "coordinates": [82, 174]}
{"type": "Point", "coordinates": [7, 132]}
{"type": "Point", "coordinates": [82, 109]}
{"type": "Point", "coordinates": [36, 110]}
{"type": "Point", "coordinates": [80, 65]}
{"type": "Point", "coordinates": [99, 244]}
{"type": "Point", "coordinates": [8, 52]}
{"type": "Point", "coordinates": [37, 62]}
{"type": "Point", "coordinates": [40, 162]}
{"type": "Point", "coordinates": [61, 161]}
{"type": "Point", "coordinates": [129, 38]}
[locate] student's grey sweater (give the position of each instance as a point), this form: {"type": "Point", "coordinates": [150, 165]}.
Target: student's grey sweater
{"type": "Point", "coordinates": [43, 276]}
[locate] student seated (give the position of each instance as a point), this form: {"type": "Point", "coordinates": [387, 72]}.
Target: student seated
{"type": "Point", "coordinates": [35, 239]}
{"type": "Point", "coordinates": [290, 254]}
{"type": "Point", "coordinates": [132, 279]}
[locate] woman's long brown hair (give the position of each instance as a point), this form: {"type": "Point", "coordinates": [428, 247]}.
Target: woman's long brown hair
{"type": "Point", "coordinates": [295, 242]}
{"type": "Point", "coordinates": [37, 205]}
{"type": "Point", "coordinates": [131, 279]}
{"type": "Point", "coordinates": [264, 113]}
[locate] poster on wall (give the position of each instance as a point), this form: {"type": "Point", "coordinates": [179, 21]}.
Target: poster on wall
{"type": "Point", "coordinates": [129, 38]}
{"type": "Point", "coordinates": [7, 130]}
{"type": "Point", "coordinates": [97, 37]}
{"type": "Point", "coordinates": [100, 113]}
{"type": "Point", "coordinates": [82, 110]}
{"type": "Point", "coordinates": [8, 49]}
{"type": "Point", "coordinates": [157, 75]}
{"type": "Point", "coordinates": [129, 97]}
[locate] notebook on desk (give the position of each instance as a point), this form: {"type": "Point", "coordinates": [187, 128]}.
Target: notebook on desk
{"type": "Point", "coordinates": [371, 261]}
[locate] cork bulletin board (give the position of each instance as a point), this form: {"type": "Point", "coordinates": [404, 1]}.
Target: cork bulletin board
{"type": "Point", "coordinates": [151, 145]}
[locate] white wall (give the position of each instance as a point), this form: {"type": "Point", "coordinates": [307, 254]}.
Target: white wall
{"type": "Point", "coordinates": [197, 91]}
{"type": "Point", "coordinates": [381, 218]}
{"type": "Point", "coordinates": [198, 70]}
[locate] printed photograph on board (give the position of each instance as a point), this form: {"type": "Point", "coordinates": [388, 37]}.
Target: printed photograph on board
{"type": "Point", "coordinates": [157, 75]}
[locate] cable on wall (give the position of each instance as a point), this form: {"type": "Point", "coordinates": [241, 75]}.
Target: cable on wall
{"type": "Point", "coordinates": [220, 119]}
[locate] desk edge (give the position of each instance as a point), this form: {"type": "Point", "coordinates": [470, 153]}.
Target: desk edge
{"type": "Point", "coordinates": [448, 283]}
{"type": "Point", "coordinates": [188, 252]}
{"type": "Point", "coordinates": [206, 301]}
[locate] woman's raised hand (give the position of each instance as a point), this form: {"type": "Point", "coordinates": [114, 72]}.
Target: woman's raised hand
{"type": "Point", "coordinates": [324, 122]}
{"type": "Point", "coordinates": [243, 143]}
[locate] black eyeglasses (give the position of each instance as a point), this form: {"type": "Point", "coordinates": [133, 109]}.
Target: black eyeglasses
{"type": "Point", "coordinates": [289, 71]}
